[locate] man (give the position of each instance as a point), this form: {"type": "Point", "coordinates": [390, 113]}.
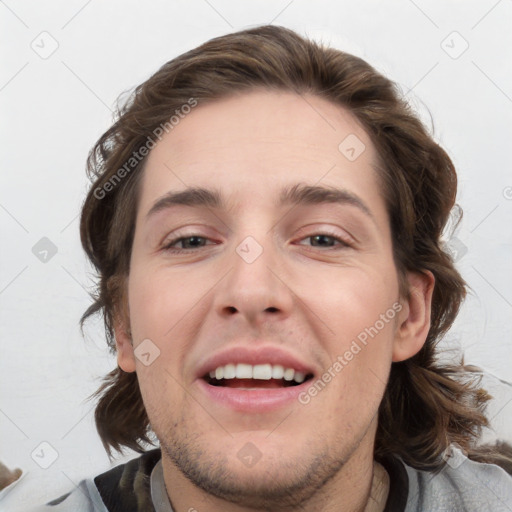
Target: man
{"type": "Point", "coordinates": [265, 220]}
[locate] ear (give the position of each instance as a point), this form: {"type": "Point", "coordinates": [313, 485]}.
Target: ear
{"type": "Point", "coordinates": [124, 343]}
{"type": "Point", "coordinates": [414, 318]}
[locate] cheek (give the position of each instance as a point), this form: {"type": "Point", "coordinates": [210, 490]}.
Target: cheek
{"type": "Point", "coordinates": [161, 396]}
{"type": "Point", "coordinates": [357, 302]}
{"type": "Point", "coordinates": [156, 308]}
{"type": "Point", "coordinates": [361, 318]}
{"type": "Point", "coordinates": [158, 300]}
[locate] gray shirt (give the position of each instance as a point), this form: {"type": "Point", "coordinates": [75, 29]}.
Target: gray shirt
{"type": "Point", "coordinates": [461, 486]}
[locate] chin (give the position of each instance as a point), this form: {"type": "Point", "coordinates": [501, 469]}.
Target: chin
{"type": "Point", "coordinates": [253, 470]}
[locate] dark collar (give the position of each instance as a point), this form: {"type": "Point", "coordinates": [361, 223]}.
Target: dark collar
{"type": "Point", "coordinates": [126, 488]}
{"type": "Point", "coordinates": [398, 484]}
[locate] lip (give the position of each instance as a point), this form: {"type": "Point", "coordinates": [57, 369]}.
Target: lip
{"type": "Point", "coordinates": [253, 356]}
{"type": "Point", "coordinates": [254, 400]}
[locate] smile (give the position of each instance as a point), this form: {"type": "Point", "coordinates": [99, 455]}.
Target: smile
{"type": "Point", "coordinates": [232, 374]}
{"type": "Point", "coordinates": [253, 389]}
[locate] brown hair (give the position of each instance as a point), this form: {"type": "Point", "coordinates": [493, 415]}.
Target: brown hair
{"type": "Point", "coordinates": [427, 405]}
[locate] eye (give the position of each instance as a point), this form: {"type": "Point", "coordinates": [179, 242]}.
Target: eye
{"type": "Point", "coordinates": [321, 238]}
{"type": "Point", "coordinates": [189, 243]}
{"type": "Point", "coordinates": [194, 242]}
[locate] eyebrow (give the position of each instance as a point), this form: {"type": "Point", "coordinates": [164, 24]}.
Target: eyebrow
{"type": "Point", "coordinates": [298, 194]}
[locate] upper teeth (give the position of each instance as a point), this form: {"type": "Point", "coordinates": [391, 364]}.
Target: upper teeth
{"type": "Point", "coordinates": [258, 371]}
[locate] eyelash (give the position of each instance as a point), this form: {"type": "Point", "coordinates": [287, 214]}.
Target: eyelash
{"type": "Point", "coordinates": [168, 246]}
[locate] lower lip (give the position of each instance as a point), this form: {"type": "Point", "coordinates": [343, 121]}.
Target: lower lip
{"type": "Point", "coordinates": [253, 400]}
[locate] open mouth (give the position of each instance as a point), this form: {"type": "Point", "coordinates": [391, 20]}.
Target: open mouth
{"type": "Point", "coordinates": [255, 388]}
{"type": "Point", "coordinates": [253, 383]}
{"type": "Point", "coordinates": [244, 376]}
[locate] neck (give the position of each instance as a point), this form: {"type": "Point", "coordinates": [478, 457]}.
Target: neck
{"type": "Point", "coordinates": [361, 485]}
{"type": "Point", "coordinates": [379, 491]}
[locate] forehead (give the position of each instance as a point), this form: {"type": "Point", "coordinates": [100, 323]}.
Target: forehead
{"type": "Point", "coordinates": [254, 145]}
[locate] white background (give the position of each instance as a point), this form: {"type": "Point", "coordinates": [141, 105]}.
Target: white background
{"type": "Point", "coordinates": [55, 108]}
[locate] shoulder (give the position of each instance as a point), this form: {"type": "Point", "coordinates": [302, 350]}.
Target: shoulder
{"type": "Point", "coordinates": [124, 487]}
{"type": "Point", "coordinates": [82, 498]}
{"type": "Point", "coordinates": [462, 485]}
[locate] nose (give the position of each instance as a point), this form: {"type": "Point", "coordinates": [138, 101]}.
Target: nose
{"type": "Point", "coordinates": [255, 287]}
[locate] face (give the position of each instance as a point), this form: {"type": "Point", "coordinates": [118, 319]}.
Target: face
{"type": "Point", "coordinates": [268, 285]}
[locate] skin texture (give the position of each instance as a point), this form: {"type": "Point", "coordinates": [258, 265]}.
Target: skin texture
{"type": "Point", "coordinates": [311, 297]}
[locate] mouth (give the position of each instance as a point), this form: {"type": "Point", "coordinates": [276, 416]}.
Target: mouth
{"type": "Point", "coordinates": [261, 388]}
{"type": "Point", "coordinates": [254, 377]}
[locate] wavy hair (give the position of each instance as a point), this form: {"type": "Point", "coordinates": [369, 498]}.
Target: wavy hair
{"type": "Point", "coordinates": [427, 405]}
